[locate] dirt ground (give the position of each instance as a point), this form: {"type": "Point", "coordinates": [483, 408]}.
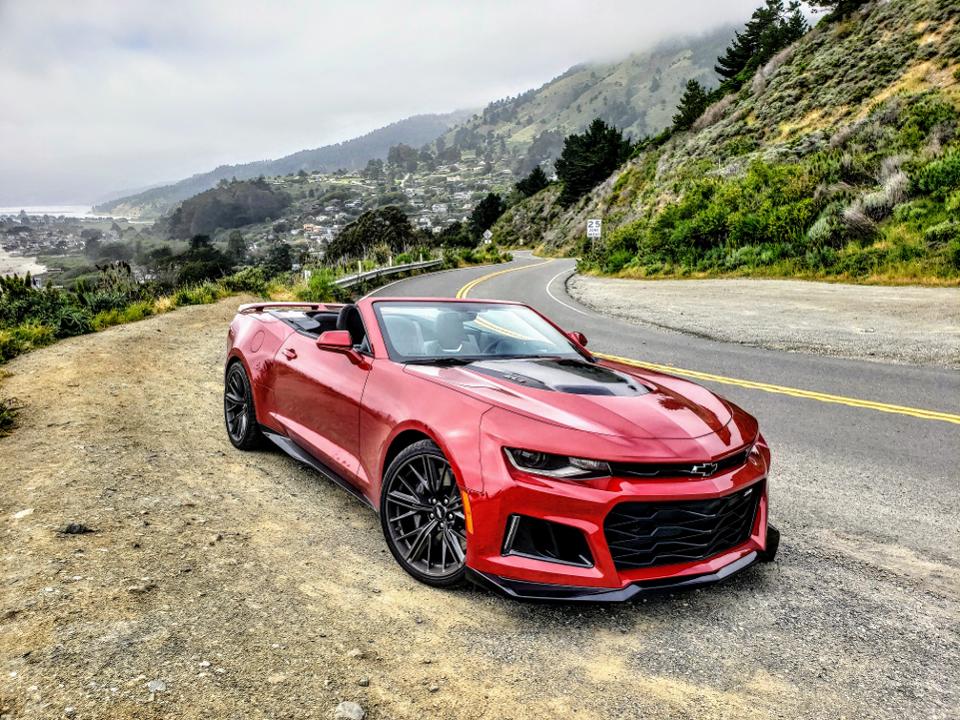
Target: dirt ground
{"type": "Point", "coordinates": [853, 321]}
{"type": "Point", "coordinates": [221, 584]}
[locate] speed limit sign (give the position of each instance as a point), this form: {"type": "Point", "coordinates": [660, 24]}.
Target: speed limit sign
{"type": "Point", "coordinates": [593, 228]}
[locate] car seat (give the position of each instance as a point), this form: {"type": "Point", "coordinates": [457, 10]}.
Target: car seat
{"type": "Point", "coordinates": [452, 339]}
{"type": "Point", "coordinates": [405, 335]}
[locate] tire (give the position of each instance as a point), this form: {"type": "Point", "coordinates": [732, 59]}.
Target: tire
{"type": "Point", "coordinates": [421, 512]}
{"type": "Point", "coordinates": [239, 414]}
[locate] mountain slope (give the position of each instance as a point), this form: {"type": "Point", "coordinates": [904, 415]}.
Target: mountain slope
{"type": "Point", "coordinates": [349, 155]}
{"type": "Point", "coordinates": [840, 158]}
{"type": "Point", "coordinates": [637, 94]}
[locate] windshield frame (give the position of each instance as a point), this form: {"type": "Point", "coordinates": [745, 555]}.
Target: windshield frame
{"type": "Point", "coordinates": [575, 351]}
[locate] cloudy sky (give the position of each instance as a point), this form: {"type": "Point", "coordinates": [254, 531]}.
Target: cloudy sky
{"type": "Point", "coordinates": [99, 96]}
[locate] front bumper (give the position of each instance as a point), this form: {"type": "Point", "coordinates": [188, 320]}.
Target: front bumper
{"type": "Point", "coordinates": [500, 493]}
{"type": "Point", "coordinates": [541, 592]}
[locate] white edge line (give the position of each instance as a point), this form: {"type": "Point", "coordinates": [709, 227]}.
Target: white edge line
{"type": "Point", "coordinates": [566, 305]}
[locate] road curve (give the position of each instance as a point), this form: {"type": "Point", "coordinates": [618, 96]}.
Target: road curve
{"type": "Point", "coordinates": [866, 494]}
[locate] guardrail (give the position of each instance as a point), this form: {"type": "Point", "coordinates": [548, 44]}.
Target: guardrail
{"type": "Point", "coordinates": [357, 278]}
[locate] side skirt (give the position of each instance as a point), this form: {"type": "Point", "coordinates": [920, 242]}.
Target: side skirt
{"type": "Point", "coordinates": [298, 453]}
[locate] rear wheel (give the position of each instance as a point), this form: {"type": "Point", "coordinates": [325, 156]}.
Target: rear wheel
{"type": "Point", "coordinates": [421, 511]}
{"type": "Point", "coordinates": [238, 411]}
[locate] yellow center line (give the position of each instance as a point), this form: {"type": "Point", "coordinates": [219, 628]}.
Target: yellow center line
{"type": "Point", "coordinates": [792, 392]}
{"type": "Point", "coordinates": [465, 290]}
{"type": "Point", "coordinates": [749, 384]}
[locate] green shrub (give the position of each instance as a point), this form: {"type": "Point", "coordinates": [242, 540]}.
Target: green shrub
{"type": "Point", "coordinates": [131, 313]}
{"type": "Point", "coordinates": [72, 320]}
{"type": "Point", "coordinates": [952, 254]}
{"type": "Point", "coordinates": [618, 260]}
{"type": "Point", "coordinates": [197, 295]}
{"type": "Point", "coordinates": [23, 338]}
{"type": "Point", "coordinates": [319, 288]}
{"type": "Point", "coordinates": [940, 177]}
{"type": "Point", "coordinates": [923, 115]}
{"type": "Point", "coordinates": [250, 279]}
{"type": "Point", "coordinates": [942, 234]}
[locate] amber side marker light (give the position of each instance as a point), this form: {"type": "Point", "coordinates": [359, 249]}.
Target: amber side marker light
{"type": "Point", "coordinates": [467, 513]}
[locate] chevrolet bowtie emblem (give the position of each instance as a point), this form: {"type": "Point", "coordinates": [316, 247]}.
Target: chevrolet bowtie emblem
{"type": "Point", "coordinates": [703, 469]}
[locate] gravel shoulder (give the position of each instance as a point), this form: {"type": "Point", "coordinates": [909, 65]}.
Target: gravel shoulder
{"type": "Point", "coordinates": [221, 584]}
{"type": "Point", "coordinates": [910, 325]}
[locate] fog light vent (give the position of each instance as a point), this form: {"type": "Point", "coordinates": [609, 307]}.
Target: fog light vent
{"type": "Point", "coordinates": [544, 540]}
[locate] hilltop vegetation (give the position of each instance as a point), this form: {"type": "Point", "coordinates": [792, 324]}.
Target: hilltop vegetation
{"type": "Point", "coordinates": [637, 94]}
{"type": "Point", "coordinates": [349, 155]}
{"type": "Point", "coordinates": [838, 156]}
{"type": "Point", "coordinates": [229, 205]}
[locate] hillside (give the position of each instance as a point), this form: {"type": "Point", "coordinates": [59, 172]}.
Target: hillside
{"type": "Point", "coordinates": [637, 94]}
{"type": "Point", "coordinates": [349, 155]}
{"type": "Point", "coordinates": [229, 205]}
{"type": "Point", "coordinates": [840, 158]}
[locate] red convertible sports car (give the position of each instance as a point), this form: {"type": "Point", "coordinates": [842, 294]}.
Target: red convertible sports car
{"type": "Point", "coordinates": [496, 448]}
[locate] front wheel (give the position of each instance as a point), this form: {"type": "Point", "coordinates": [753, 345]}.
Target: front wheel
{"type": "Point", "coordinates": [238, 411]}
{"type": "Point", "coordinates": [421, 511]}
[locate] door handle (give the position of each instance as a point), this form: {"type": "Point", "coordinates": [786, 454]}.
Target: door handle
{"type": "Point", "coordinates": [290, 353]}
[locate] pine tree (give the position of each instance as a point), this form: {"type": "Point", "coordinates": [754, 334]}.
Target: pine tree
{"type": "Point", "coordinates": [486, 213]}
{"type": "Point", "coordinates": [533, 183]}
{"type": "Point", "coordinates": [694, 101]}
{"type": "Point", "coordinates": [589, 158]}
{"type": "Point", "coordinates": [771, 27]}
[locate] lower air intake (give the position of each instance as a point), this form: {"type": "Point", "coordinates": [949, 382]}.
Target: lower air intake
{"type": "Point", "coordinates": [645, 534]}
{"type": "Point", "coordinates": [544, 540]}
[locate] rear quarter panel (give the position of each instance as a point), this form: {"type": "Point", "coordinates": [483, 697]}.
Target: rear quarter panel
{"type": "Point", "coordinates": [255, 339]}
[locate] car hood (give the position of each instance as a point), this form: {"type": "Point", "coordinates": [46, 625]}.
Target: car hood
{"type": "Point", "coordinates": [593, 397]}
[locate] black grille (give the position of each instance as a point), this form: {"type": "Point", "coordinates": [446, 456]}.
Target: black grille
{"type": "Point", "coordinates": [682, 469]}
{"type": "Point", "coordinates": [644, 534]}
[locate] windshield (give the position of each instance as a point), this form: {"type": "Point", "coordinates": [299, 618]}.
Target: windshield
{"type": "Point", "coordinates": [463, 332]}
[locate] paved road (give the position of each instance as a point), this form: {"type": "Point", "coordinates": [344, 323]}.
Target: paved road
{"type": "Point", "coordinates": [868, 500]}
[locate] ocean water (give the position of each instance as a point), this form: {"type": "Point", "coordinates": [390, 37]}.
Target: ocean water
{"type": "Point", "coordinates": [77, 211]}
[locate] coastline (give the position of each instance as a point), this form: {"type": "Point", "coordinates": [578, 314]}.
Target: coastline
{"type": "Point", "coordinates": [19, 264]}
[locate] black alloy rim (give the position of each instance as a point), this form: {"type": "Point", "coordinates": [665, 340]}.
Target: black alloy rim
{"type": "Point", "coordinates": [424, 512]}
{"type": "Point", "coordinates": [235, 405]}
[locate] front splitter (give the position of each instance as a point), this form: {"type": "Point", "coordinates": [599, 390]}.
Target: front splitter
{"type": "Point", "coordinates": [541, 592]}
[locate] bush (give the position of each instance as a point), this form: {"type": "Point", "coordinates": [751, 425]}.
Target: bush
{"type": "Point", "coordinates": [319, 288]}
{"type": "Point", "coordinates": [131, 313]}
{"type": "Point", "coordinates": [857, 223]}
{"type": "Point", "coordinates": [940, 177]}
{"type": "Point", "coordinates": [250, 279]}
{"type": "Point", "coordinates": [197, 295]}
{"type": "Point", "coordinates": [943, 234]}
{"type": "Point", "coordinates": [23, 338]}
{"type": "Point", "coordinates": [952, 254]}
{"type": "Point", "coordinates": [617, 261]}
{"type": "Point", "coordinates": [73, 321]}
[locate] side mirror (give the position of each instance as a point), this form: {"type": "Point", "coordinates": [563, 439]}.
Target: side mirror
{"type": "Point", "coordinates": [337, 340]}
{"type": "Point", "coordinates": [578, 337]}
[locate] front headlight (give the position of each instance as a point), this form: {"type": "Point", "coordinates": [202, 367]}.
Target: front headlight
{"type": "Point", "coordinates": [557, 466]}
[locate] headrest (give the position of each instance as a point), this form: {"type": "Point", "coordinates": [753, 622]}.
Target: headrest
{"type": "Point", "coordinates": [450, 334]}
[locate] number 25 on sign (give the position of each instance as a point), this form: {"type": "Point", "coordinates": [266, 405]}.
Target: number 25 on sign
{"type": "Point", "coordinates": [593, 228]}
